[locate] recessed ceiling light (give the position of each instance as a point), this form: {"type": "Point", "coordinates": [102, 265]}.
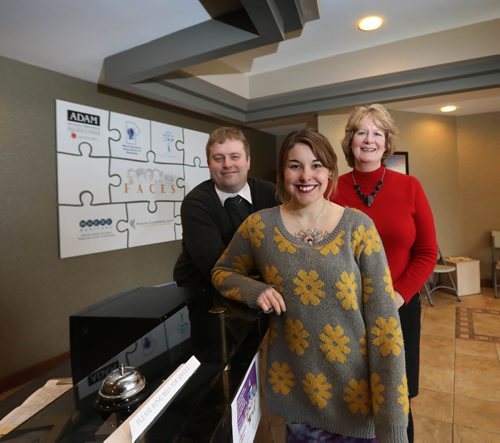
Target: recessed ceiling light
{"type": "Point", "coordinates": [449, 108]}
{"type": "Point", "coordinates": [370, 23]}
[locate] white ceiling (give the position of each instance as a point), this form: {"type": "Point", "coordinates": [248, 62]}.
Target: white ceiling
{"type": "Point", "coordinates": [75, 37]}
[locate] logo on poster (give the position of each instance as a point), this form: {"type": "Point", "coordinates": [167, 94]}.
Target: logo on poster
{"type": "Point", "coordinates": [82, 117]}
{"type": "Point", "coordinates": [95, 223]}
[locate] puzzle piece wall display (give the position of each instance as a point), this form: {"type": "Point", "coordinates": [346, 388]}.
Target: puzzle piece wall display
{"type": "Point", "coordinates": [90, 228]}
{"type": "Point", "coordinates": [197, 142]}
{"type": "Point", "coordinates": [77, 124]}
{"type": "Point", "coordinates": [145, 227]}
{"type": "Point", "coordinates": [193, 175]}
{"type": "Point", "coordinates": [165, 140]}
{"type": "Point", "coordinates": [147, 181]}
{"type": "Point", "coordinates": [121, 179]}
{"type": "Point", "coordinates": [135, 137]}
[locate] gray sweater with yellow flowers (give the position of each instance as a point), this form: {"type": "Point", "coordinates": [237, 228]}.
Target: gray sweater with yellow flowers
{"type": "Point", "coordinates": [335, 358]}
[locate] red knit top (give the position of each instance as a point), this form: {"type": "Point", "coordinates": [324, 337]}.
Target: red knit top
{"type": "Point", "coordinates": [404, 221]}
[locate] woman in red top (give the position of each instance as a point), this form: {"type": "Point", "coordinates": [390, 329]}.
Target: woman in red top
{"type": "Point", "coordinates": [402, 215]}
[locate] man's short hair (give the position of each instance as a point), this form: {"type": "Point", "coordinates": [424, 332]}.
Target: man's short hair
{"type": "Point", "coordinates": [221, 135]}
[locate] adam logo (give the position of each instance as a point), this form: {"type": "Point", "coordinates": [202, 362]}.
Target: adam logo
{"type": "Point", "coordinates": [82, 117]}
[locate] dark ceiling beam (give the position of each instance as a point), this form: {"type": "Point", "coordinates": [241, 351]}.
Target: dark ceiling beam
{"type": "Point", "coordinates": [258, 23]}
{"type": "Point", "coordinates": [154, 70]}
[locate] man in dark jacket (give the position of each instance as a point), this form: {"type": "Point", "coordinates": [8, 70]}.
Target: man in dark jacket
{"type": "Point", "coordinates": [214, 209]}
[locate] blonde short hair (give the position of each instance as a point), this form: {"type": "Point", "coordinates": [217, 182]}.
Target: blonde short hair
{"type": "Point", "coordinates": [381, 118]}
{"type": "Point", "coordinates": [221, 135]}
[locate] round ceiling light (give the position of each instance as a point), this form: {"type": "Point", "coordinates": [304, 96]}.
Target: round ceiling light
{"type": "Point", "coordinates": [449, 108]}
{"type": "Point", "coordinates": [370, 23]}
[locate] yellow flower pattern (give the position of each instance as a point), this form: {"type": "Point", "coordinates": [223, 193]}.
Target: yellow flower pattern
{"type": "Point", "coordinates": [243, 264]}
{"type": "Point", "coordinates": [295, 336]}
{"type": "Point", "coordinates": [317, 291]}
{"type": "Point", "coordinates": [219, 277]}
{"type": "Point", "coordinates": [388, 284]}
{"type": "Point", "coordinates": [403, 398]}
{"type": "Point", "coordinates": [334, 246]}
{"type": "Point", "coordinates": [273, 332]}
{"type": "Point", "coordinates": [317, 389]}
{"type": "Point", "coordinates": [283, 243]}
{"type": "Point", "coordinates": [367, 288]}
{"type": "Point", "coordinates": [363, 346]}
{"type": "Point", "coordinates": [367, 240]}
{"type": "Point", "coordinates": [347, 293]}
{"type": "Point", "coordinates": [358, 396]}
{"type": "Point", "coordinates": [334, 343]}
{"type": "Point", "coordinates": [373, 242]}
{"type": "Point", "coordinates": [308, 287]}
{"type": "Point", "coordinates": [281, 378]}
{"type": "Point", "coordinates": [252, 228]}
{"type": "Point", "coordinates": [388, 336]}
{"type": "Point", "coordinates": [271, 276]}
{"type": "Point", "coordinates": [233, 294]}
{"type": "Point", "coordinates": [377, 390]}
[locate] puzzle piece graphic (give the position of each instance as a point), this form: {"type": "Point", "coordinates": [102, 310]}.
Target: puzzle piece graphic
{"type": "Point", "coordinates": [145, 227]}
{"type": "Point", "coordinates": [121, 179]}
{"type": "Point", "coordinates": [90, 228]}
{"type": "Point", "coordinates": [82, 172]}
{"type": "Point", "coordinates": [134, 141]}
{"type": "Point", "coordinates": [194, 175]}
{"type": "Point", "coordinates": [79, 124]}
{"type": "Point", "coordinates": [194, 146]}
{"type": "Point", "coordinates": [178, 226]}
{"type": "Point", "coordinates": [151, 181]}
{"type": "Point", "coordinates": [166, 143]}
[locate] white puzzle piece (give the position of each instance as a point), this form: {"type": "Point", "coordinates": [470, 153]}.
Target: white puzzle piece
{"type": "Point", "coordinates": [77, 124]}
{"type": "Point", "coordinates": [89, 229]}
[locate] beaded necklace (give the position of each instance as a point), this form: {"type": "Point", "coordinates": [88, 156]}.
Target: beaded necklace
{"type": "Point", "coordinates": [368, 199]}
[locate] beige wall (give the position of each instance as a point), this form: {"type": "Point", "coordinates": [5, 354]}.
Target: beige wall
{"type": "Point", "coordinates": [457, 161]}
{"type": "Point", "coordinates": [38, 291]}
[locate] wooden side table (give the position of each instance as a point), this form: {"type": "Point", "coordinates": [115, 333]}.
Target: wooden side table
{"type": "Point", "coordinates": [467, 274]}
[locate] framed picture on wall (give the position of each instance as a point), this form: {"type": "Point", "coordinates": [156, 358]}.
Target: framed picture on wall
{"type": "Point", "coordinates": [398, 162]}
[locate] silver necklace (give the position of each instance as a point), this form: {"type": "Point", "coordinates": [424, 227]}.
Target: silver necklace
{"type": "Point", "coordinates": [311, 236]}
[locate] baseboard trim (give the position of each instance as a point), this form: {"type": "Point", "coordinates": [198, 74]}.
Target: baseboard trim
{"type": "Point", "coordinates": [32, 372]}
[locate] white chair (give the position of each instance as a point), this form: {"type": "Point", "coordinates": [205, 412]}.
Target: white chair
{"type": "Point", "coordinates": [435, 282]}
{"type": "Point", "coordinates": [495, 248]}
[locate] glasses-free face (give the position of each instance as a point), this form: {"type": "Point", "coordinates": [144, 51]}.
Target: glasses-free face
{"type": "Point", "coordinates": [229, 165]}
{"type": "Point", "coordinates": [305, 177]}
{"type": "Point", "coordinates": [368, 145]}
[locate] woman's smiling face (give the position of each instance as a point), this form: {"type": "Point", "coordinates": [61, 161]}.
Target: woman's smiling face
{"type": "Point", "coordinates": [368, 145]}
{"type": "Point", "coordinates": [305, 177]}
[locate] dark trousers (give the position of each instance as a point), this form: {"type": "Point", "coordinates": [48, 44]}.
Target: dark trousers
{"type": "Point", "coordinates": [409, 315]}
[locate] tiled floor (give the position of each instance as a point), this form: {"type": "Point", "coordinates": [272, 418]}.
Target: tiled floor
{"type": "Point", "coordinates": [459, 400]}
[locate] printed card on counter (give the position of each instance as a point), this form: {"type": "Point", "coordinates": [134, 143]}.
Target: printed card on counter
{"type": "Point", "coordinates": [246, 406]}
{"type": "Point", "coordinates": [141, 419]}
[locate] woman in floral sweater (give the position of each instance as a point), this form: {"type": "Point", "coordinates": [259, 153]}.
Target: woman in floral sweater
{"type": "Point", "coordinates": [335, 360]}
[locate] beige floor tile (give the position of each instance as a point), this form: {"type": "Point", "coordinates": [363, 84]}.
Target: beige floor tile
{"type": "Point", "coordinates": [476, 348]}
{"type": "Point", "coordinates": [477, 414]}
{"type": "Point", "coordinates": [486, 323]}
{"type": "Point", "coordinates": [478, 376]}
{"type": "Point", "coordinates": [439, 323]}
{"type": "Point", "coordinates": [437, 352]}
{"type": "Point", "coordinates": [436, 379]}
{"type": "Point", "coordinates": [428, 430]}
{"type": "Point", "coordinates": [488, 366]}
{"type": "Point", "coordinates": [473, 301]}
{"type": "Point", "coordinates": [467, 435]}
{"type": "Point", "coordinates": [433, 404]}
